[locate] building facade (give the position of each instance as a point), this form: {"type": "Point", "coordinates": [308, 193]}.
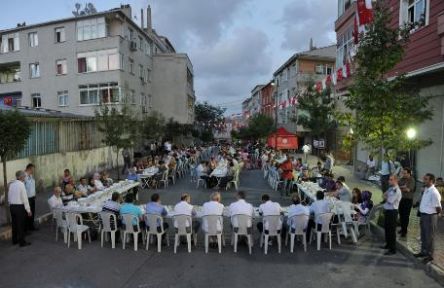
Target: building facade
{"type": "Point", "coordinates": [292, 78]}
{"type": "Point", "coordinates": [423, 64]}
{"type": "Point", "coordinates": [76, 64]}
{"type": "Point", "coordinates": [267, 100]}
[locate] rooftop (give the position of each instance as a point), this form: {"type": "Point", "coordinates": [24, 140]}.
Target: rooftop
{"type": "Point", "coordinates": [44, 113]}
{"type": "Point", "coordinates": [327, 53]}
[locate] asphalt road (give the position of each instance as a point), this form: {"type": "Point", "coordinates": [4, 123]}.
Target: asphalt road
{"type": "Point", "coordinates": [47, 263]}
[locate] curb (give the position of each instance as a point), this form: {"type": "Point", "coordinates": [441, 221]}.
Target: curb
{"type": "Point", "coordinates": [433, 270]}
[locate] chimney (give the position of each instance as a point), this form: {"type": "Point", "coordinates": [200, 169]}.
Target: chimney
{"type": "Point", "coordinates": [311, 44]}
{"type": "Point", "coordinates": [149, 24]}
{"type": "Point", "coordinates": [142, 24]}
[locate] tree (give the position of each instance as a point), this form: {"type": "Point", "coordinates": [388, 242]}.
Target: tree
{"type": "Point", "coordinates": [259, 127]}
{"type": "Point", "coordinates": [14, 129]}
{"type": "Point", "coordinates": [316, 111]}
{"type": "Point", "coordinates": [383, 108]}
{"type": "Point", "coordinates": [206, 118]}
{"type": "Point", "coordinates": [153, 126]}
{"type": "Point", "coordinates": [118, 128]}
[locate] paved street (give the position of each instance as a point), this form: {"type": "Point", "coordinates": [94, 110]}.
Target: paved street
{"type": "Point", "coordinates": [51, 264]}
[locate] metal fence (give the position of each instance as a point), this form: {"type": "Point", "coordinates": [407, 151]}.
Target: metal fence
{"type": "Point", "coordinates": [59, 135]}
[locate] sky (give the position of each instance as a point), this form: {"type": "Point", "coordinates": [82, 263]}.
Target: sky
{"type": "Point", "coordinates": [233, 44]}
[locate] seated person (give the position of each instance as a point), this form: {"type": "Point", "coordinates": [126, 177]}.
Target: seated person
{"type": "Point", "coordinates": [304, 176]}
{"type": "Point", "coordinates": [68, 194]}
{"type": "Point", "coordinates": [320, 206]}
{"type": "Point", "coordinates": [92, 186]}
{"type": "Point", "coordinates": [129, 208]}
{"type": "Point", "coordinates": [365, 206]}
{"type": "Point", "coordinates": [229, 177]}
{"type": "Point", "coordinates": [113, 206]}
{"type": "Point", "coordinates": [185, 208]}
{"type": "Point", "coordinates": [317, 170]}
{"type": "Point", "coordinates": [83, 186]}
{"type": "Point", "coordinates": [132, 174]}
{"type": "Point", "coordinates": [297, 209]}
{"type": "Point", "coordinates": [268, 208]}
{"type": "Point", "coordinates": [154, 207]}
{"type": "Point", "coordinates": [97, 183]}
{"type": "Point", "coordinates": [55, 201]}
{"type": "Point", "coordinates": [66, 179]}
{"type": "Point", "coordinates": [356, 196]}
{"type": "Point", "coordinates": [105, 179]}
{"type": "Point", "coordinates": [240, 207]}
{"type": "Point", "coordinates": [342, 192]}
{"type": "Point", "coordinates": [213, 207]}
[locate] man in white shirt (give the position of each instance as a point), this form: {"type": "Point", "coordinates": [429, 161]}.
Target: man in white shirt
{"type": "Point", "coordinates": [213, 207]}
{"type": "Point", "coordinates": [185, 208]}
{"type": "Point", "coordinates": [306, 150]}
{"type": "Point", "coordinates": [30, 191]}
{"type": "Point", "coordinates": [320, 206]}
{"type": "Point", "coordinates": [297, 209]}
{"type": "Point", "coordinates": [392, 197]}
{"type": "Point", "coordinates": [19, 208]}
{"type": "Point", "coordinates": [240, 207]}
{"type": "Point", "coordinates": [269, 208]}
{"type": "Point", "coordinates": [370, 167]}
{"type": "Point", "coordinates": [429, 210]}
{"type": "Point", "coordinates": [55, 201]}
{"type": "Point", "coordinates": [97, 183]}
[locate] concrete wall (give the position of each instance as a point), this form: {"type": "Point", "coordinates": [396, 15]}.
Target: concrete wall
{"type": "Point", "coordinates": [50, 167]}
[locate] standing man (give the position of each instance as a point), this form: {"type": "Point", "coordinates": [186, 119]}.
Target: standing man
{"type": "Point", "coordinates": [370, 167]}
{"type": "Point", "coordinates": [19, 208]}
{"type": "Point", "coordinates": [126, 160]}
{"type": "Point", "coordinates": [386, 170]}
{"type": "Point", "coordinates": [306, 149]}
{"type": "Point", "coordinates": [392, 197]}
{"type": "Point", "coordinates": [407, 186]}
{"type": "Point", "coordinates": [429, 210]}
{"type": "Point", "coordinates": [30, 191]}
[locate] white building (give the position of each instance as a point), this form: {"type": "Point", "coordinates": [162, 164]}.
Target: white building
{"type": "Point", "coordinates": [78, 63]}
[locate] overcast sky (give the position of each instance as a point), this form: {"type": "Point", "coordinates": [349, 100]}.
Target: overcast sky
{"type": "Point", "coordinates": [233, 44]}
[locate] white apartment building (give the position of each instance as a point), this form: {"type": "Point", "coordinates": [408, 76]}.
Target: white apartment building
{"type": "Point", "coordinates": [78, 63]}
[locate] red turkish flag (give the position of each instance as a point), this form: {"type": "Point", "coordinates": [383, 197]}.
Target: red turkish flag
{"type": "Point", "coordinates": [7, 101]}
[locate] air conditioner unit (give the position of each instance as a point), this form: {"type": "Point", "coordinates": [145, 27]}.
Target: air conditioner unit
{"type": "Point", "coordinates": [133, 46]}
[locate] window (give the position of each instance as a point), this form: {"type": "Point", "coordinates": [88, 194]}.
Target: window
{"type": "Point", "coordinates": [91, 29]}
{"type": "Point", "coordinates": [131, 34]}
{"type": "Point", "coordinates": [148, 75]}
{"type": "Point", "coordinates": [33, 39]}
{"type": "Point", "coordinates": [141, 72]}
{"type": "Point", "coordinates": [343, 5]}
{"type": "Point", "coordinates": [103, 60]}
{"type": "Point", "coordinates": [36, 100]}
{"type": "Point", "coordinates": [63, 98]}
{"type": "Point", "coordinates": [34, 70]}
{"type": "Point", "coordinates": [319, 69]}
{"type": "Point", "coordinates": [105, 93]}
{"type": "Point", "coordinates": [10, 73]}
{"type": "Point", "coordinates": [61, 67]}
{"type": "Point", "coordinates": [132, 97]}
{"type": "Point", "coordinates": [345, 44]}
{"type": "Point", "coordinates": [10, 43]}
{"type": "Point", "coordinates": [131, 66]}
{"type": "Point", "coordinates": [414, 12]}
{"type": "Point", "coordinates": [60, 35]}
{"type": "Point", "coordinates": [140, 43]}
{"type": "Point", "coordinates": [148, 48]}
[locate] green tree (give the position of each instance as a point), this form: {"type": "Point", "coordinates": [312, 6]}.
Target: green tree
{"type": "Point", "coordinates": [14, 131]}
{"type": "Point", "coordinates": [259, 127]}
{"type": "Point", "coordinates": [118, 128]}
{"type": "Point", "coordinates": [384, 108]}
{"type": "Point", "coordinates": [153, 126]}
{"type": "Point", "coordinates": [206, 117]}
{"type": "Point", "coordinates": [316, 111]}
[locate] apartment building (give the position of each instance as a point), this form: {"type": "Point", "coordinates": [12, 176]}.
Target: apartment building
{"type": "Point", "coordinates": [78, 63]}
{"type": "Point", "coordinates": [267, 100]}
{"type": "Point", "coordinates": [423, 64]}
{"type": "Point", "coordinates": [292, 78]}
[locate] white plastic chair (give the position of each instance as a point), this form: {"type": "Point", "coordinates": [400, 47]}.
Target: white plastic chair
{"type": "Point", "coordinates": [107, 218]}
{"type": "Point", "coordinates": [165, 179]}
{"type": "Point", "coordinates": [76, 227]}
{"type": "Point", "coordinates": [184, 227]}
{"type": "Point", "coordinates": [61, 224]}
{"type": "Point", "coordinates": [242, 226]}
{"type": "Point", "coordinates": [235, 181]}
{"type": "Point", "coordinates": [274, 227]}
{"type": "Point", "coordinates": [212, 222]}
{"type": "Point", "coordinates": [325, 220]}
{"type": "Point", "coordinates": [129, 229]}
{"type": "Point", "coordinates": [298, 223]}
{"type": "Point", "coordinates": [152, 222]}
{"type": "Point", "coordinates": [344, 212]}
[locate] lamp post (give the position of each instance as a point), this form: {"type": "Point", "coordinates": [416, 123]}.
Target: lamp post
{"type": "Point", "coordinates": [411, 135]}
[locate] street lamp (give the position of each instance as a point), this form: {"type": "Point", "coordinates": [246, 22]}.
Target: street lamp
{"type": "Point", "coordinates": [411, 133]}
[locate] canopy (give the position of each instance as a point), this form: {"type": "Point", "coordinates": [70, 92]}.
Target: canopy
{"type": "Point", "coordinates": [282, 140]}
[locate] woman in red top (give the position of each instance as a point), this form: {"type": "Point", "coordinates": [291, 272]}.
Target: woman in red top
{"type": "Point", "coordinates": [287, 169]}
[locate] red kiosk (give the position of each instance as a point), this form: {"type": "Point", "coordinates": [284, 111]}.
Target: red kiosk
{"type": "Point", "coordinates": [283, 140]}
